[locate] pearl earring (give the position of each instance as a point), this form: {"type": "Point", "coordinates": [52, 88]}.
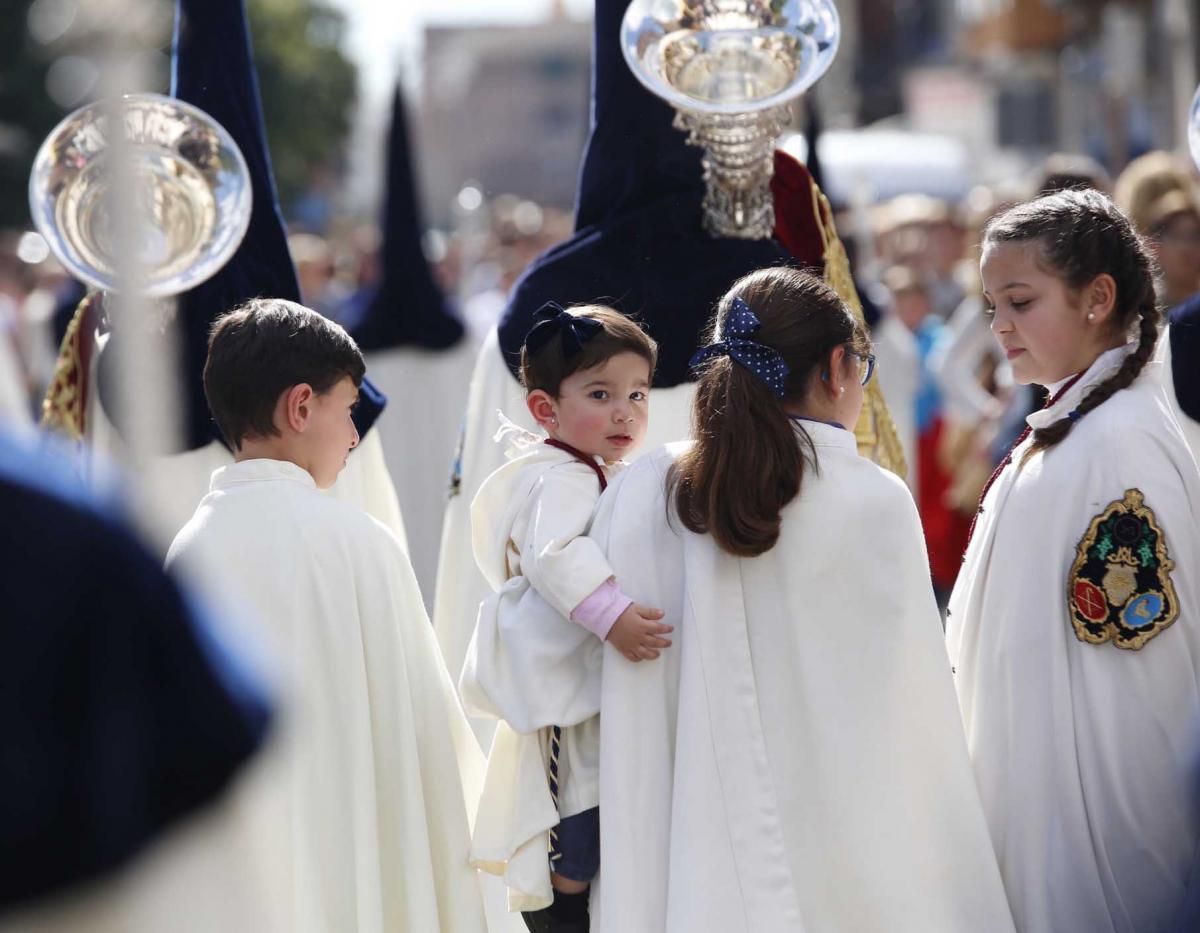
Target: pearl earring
{"type": "Point", "coordinates": [842, 390]}
{"type": "Point", "coordinates": [1091, 316]}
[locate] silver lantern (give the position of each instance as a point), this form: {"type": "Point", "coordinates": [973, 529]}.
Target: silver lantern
{"type": "Point", "coordinates": [730, 68]}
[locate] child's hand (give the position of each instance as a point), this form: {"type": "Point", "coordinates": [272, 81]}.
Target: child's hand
{"type": "Point", "coordinates": [636, 633]}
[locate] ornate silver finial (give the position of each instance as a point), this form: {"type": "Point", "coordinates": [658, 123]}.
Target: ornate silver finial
{"type": "Point", "coordinates": [730, 68]}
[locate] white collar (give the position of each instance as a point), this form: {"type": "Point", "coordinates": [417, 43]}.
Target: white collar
{"type": "Point", "coordinates": [260, 471]}
{"type": "Point", "coordinates": [827, 435]}
{"type": "Point", "coordinates": [1104, 366]}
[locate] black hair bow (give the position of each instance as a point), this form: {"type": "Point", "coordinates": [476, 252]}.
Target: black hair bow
{"type": "Point", "coordinates": [551, 319]}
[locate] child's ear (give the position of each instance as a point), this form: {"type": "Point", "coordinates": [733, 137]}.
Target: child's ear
{"type": "Point", "coordinates": [542, 407]}
{"type": "Point", "coordinates": [297, 406]}
{"type": "Point", "coordinates": [1100, 298]}
{"type": "Point", "coordinates": [835, 375]}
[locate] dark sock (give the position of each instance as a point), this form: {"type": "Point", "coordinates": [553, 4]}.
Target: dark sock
{"type": "Point", "coordinates": [569, 906]}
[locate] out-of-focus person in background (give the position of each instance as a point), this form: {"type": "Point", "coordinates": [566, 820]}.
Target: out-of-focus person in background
{"type": "Point", "coordinates": [131, 721]}
{"type": "Point", "coordinates": [1159, 194]}
{"type": "Point", "coordinates": [315, 270]}
{"type": "Point", "coordinates": [910, 338]}
{"type": "Point", "coordinates": [924, 233]}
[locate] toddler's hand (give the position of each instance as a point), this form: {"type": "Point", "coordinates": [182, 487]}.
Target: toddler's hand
{"type": "Point", "coordinates": [636, 633]}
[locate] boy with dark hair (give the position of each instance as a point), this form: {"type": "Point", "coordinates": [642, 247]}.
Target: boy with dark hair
{"type": "Point", "coordinates": [370, 792]}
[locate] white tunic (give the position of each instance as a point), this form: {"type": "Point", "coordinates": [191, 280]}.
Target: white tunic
{"type": "Point", "coordinates": [427, 393]}
{"type": "Point", "coordinates": [367, 802]}
{"type": "Point", "coordinates": [794, 762]}
{"type": "Point", "coordinates": [460, 585]}
{"type": "Point", "coordinates": [1087, 755]}
{"type": "Point", "coordinates": [528, 665]}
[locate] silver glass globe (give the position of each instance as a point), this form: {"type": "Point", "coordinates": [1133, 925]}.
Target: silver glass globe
{"type": "Point", "coordinates": [191, 190]}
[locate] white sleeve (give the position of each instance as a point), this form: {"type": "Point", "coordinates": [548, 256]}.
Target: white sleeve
{"type": "Point", "coordinates": [560, 563]}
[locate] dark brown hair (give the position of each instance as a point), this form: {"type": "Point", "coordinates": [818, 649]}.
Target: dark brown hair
{"type": "Point", "coordinates": [546, 368]}
{"type": "Point", "coordinates": [746, 463]}
{"type": "Point", "coordinates": [1081, 234]}
{"type": "Point", "coordinates": [263, 348]}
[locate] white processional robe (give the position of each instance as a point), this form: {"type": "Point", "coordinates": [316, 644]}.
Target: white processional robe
{"type": "Point", "coordinates": [460, 585]}
{"type": "Point", "coordinates": [899, 364]}
{"type": "Point", "coordinates": [372, 781]}
{"type": "Point", "coordinates": [528, 665]}
{"type": "Point", "coordinates": [1087, 755]}
{"type": "Point", "coordinates": [795, 761]}
{"type": "Point", "coordinates": [427, 393]}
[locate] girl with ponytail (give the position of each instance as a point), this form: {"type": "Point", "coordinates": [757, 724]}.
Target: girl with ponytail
{"type": "Point", "coordinates": [795, 761]}
{"type": "Point", "coordinates": [1074, 627]}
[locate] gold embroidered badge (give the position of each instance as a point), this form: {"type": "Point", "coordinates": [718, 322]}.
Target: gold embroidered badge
{"type": "Point", "coordinates": [1120, 588]}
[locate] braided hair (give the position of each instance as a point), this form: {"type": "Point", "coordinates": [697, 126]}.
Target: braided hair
{"type": "Point", "coordinates": [1080, 235]}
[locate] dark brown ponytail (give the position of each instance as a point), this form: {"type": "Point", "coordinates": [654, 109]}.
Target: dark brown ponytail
{"type": "Point", "coordinates": [1080, 235]}
{"type": "Point", "coordinates": [747, 463]}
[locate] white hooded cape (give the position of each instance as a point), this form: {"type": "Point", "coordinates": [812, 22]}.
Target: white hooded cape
{"type": "Point", "coordinates": [528, 665]}
{"type": "Point", "coordinates": [794, 762]}
{"type": "Point", "coordinates": [1087, 755]}
{"type": "Point", "coordinates": [368, 799]}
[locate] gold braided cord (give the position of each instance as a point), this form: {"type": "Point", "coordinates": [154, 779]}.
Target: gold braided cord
{"type": "Point", "coordinates": [875, 431]}
{"type": "Point", "coordinates": [65, 401]}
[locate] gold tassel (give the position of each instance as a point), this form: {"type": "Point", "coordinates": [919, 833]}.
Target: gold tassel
{"type": "Point", "coordinates": [64, 409]}
{"type": "Point", "coordinates": [875, 431]}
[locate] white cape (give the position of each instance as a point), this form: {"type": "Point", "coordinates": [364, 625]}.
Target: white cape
{"type": "Point", "coordinates": [368, 799]}
{"type": "Point", "coordinates": [427, 393]}
{"type": "Point", "coordinates": [460, 585]}
{"type": "Point", "coordinates": [1087, 755]}
{"type": "Point", "coordinates": [528, 665]}
{"type": "Point", "coordinates": [795, 761]}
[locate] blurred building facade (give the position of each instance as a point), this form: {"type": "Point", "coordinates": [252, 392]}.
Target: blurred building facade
{"type": "Point", "coordinates": [505, 107]}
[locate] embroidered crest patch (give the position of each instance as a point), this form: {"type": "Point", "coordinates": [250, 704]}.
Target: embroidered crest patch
{"type": "Point", "coordinates": [1120, 586]}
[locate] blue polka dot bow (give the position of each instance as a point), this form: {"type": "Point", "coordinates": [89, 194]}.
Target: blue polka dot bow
{"type": "Point", "coordinates": [550, 319]}
{"type": "Point", "coordinates": [765, 362]}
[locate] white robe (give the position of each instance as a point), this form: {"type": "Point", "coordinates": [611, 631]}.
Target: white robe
{"type": "Point", "coordinates": [374, 774]}
{"type": "Point", "coordinates": [528, 665]}
{"type": "Point", "coordinates": [1087, 755]}
{"type": "Point", "coordinates": [899, 364]}
{"type": "Point", "coordinates": [460, 585]}
{"type": "Point", "coordinates": [427, 393]}
{"type": "Point", "coordinates": [794, 762]}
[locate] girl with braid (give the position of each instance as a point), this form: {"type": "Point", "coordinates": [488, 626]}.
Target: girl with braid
{"type": "Point", "coordinates": [1074, 628]}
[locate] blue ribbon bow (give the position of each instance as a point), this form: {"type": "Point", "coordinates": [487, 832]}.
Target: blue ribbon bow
{"type": "Point", "coordinates": [551, 319]}
{"type": "Point", "coordinates": [764, 362]}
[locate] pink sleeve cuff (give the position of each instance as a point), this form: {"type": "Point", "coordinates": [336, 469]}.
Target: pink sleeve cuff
{"type": "Point", "coordinates": [599, 611]}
